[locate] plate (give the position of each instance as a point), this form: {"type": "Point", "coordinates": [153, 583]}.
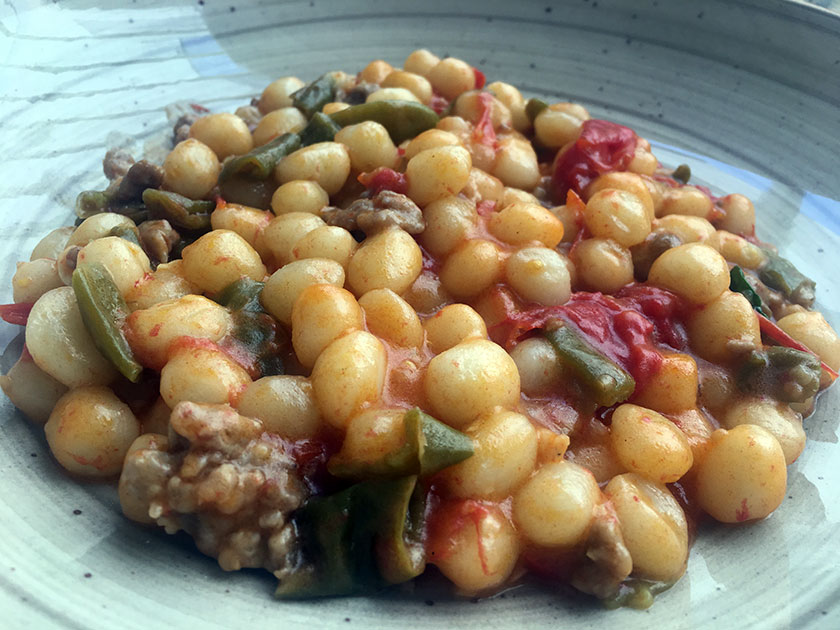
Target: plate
{"type": "Point", "coordinates": [747, 93]}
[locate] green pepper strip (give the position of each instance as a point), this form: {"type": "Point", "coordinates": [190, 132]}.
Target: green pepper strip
{"type": "Point", "coordinates": [780, 274]}
{"type": "Point", "coordinates": [402, 119]}
{"type": "Point", "coordinates": [321, 128]}
{"type": "Point", "coordinates": [103, 312]}
{"type": "Point", "coordinates": [358, 540]}
{"type": "Point", "coordinates": [91, 202]}
{"type": "Point", "coordinates": [533, 107]}
{"type": "Point", "coordinates": [771, 330]}
{"type": "Point", "coordinates": [605, 381]}
{"type": "Point", "coordinates": [259, 333]}
{"type": "Point", "coordinates": [126, 233]}
{"type": "Point", "coordinates": [260, 162]}
{"type": "Point", "coordinates": [739, 284]}
{"type": "Point", "coordinates": [179, 210]}
{"type": "Point", "coordinates": [134, 210]}
{"type": "Point", "coordinates": [430, 446]}
{"type": "Point", "coordinates": [787, 374]}
{"type": "Point", "coordinates": [682, 173]}
{"type": "Point", "coordinates": [255, 329]}
{"type": "Point", "coordinates": [242, 294]}
{"type": "Point", "coordinates": [312, 98]}
{"type": "Point", "coordinates": [400, 553]}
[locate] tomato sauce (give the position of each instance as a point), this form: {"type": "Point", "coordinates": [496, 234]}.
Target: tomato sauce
{"type": "Point", "coordinates": [484, 132]}
{"type": "Point", "coordinates": [602, 147]}
{"type": "Point", "coordinates": [629, 328]}
{"type": "Point", "coordinates": [16, 313]}
{"type": "Point", "coordinates": [384, 178]}
{"type": "Point", "coordinates": [404, 377]}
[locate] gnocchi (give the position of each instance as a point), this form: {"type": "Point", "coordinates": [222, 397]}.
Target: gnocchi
{"type": "Point", "coordinates": [400, 317]}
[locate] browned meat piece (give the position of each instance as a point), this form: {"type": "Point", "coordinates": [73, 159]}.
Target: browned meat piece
{"type": "Point", "coordinates": [114, 186]}
{"type": "Point", "coordinates": [804, 295]}
{"type": "Point", "coordinates": [607, 561]}
{"type": "Point", "coordinates": [250, 114]}
{"type": "Point", "coordinates": [357, 94]}
{"type": "Point", "coordinates": [341, 217]}
{"type": "Point", "coordinates": [181, 128]}
{"type": "Point", "coordinates": [223, 480]}
{"type": "Point", "coordinates": [67, 261]}
{"type": "Point", "coordinates": [158, 238]}
{"type": "Point", "coordinates": [140, 176]}
{"type": "Point", "coordinates": [373, 215]}
{"type": "Point", "coordinates": [649, 250]}
{"type": "Point", "coordinates": [116, 163]}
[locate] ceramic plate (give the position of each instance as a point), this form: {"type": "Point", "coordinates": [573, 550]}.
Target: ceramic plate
{"type": "Point", "coordinates": [747, 93]}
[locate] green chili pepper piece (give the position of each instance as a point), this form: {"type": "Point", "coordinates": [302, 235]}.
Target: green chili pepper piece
{"type": "Point", "coordinates": [127, 233]}
{"type": "Point", "coordinates": [780, 274]}
{"type": "Point", "coordinates": [787, 374]}
{"type": "Point", "coordinates": [311, 98]}
{"type": "Point", "coordinates": [255, 193]}
{"type": "Point", "coordinates": [321, 128]}
{"type": "Point", "coordinates": [180, 211]}
{"type": "Point", "coordinates": [134, 210]}
{"type": "Point", "coordinates": [533, 107]}
{"type": "Point", "coordinates": [430, 446]}
{"type": "Point", "coordinates": [255, 330]}
{"type": "Point", "coordinates": [358, 540]}
{"type": "Point", "coordinates": [261, 338]}
{"type": "Point", "coordinates": [247, 329]}
{"type": "Point", "coordinates": [400, 553]}
{"type": "Point", "coordinates": [739, 284]}
{"type": "Point", "coordinates": [604, 381]}
{"type": "Point", "coordinates": [242, 294]}
{"type": "Point", "coordinates": [682, 173]}
{"type": "Point", "coordinates": [103, 312]}
{"type": "Point", "coordinates": [260, 162]}
{"type": "Point", "coordinates": [439, 445]}
{"type": "Point", "coordinates": [402, 119]}
{"type": "Point", "coordinates": [91, 202]}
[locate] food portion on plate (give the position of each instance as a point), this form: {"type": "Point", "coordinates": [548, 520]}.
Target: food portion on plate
{"type": "Point", "coordinates": [401, 319]}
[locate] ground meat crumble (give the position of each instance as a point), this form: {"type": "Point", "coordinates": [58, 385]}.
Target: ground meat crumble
{"type": "Point", "coordinates": [386, 209]}
{"type": "Point", "coordinates": [220, 477]}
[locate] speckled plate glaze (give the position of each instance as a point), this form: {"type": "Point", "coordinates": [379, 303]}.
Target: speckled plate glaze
{"type": "Point", "coordinates": [747, 93]}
